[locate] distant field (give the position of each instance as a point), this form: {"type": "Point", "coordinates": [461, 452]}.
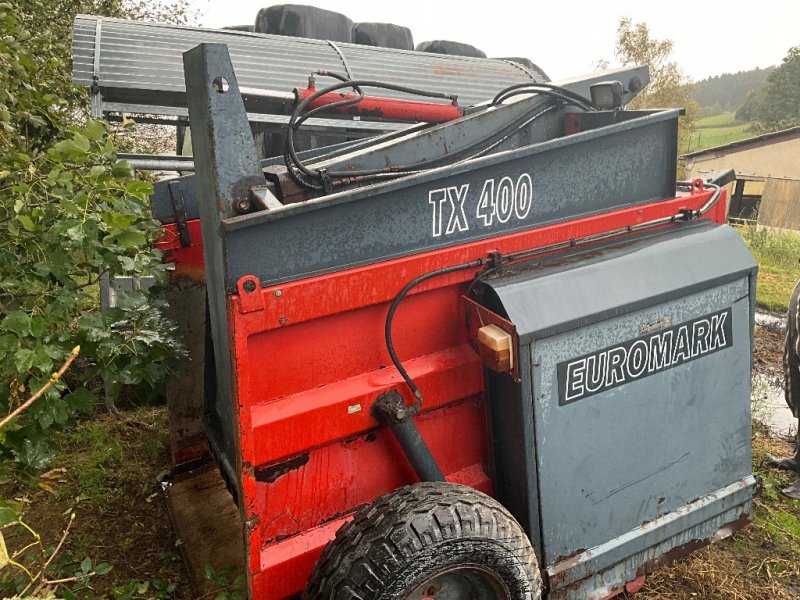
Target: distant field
{"type": "Point", "coordinates": [716, 131]}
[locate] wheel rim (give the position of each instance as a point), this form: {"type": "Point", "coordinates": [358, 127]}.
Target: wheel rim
{"type": "Point", "coordinates": [461, 583]}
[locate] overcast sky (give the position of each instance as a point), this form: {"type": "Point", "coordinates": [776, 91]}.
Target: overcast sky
{"type": "Point", "coordinates": [568, 38]}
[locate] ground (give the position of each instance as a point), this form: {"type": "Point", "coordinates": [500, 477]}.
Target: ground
{"type": "Point", "coordinates": [109, 469]}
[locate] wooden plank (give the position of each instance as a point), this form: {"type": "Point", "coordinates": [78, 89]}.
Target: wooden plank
{"type": "Point", "coordinates": [209, 525]}
{"type": "Point", "coordinates": [185, 402]}
{"type": "Point", "coordinates": [780, 204]}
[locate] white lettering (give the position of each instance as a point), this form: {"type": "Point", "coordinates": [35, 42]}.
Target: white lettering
{"type": "Point", "coordinates": [437, 198]}
{"type": "Point", "coordinates": [575, 379]}
{"type": "Point", "coordinates": [458, 220]}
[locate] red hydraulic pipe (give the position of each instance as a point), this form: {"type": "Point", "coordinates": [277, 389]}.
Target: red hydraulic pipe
{"type": "Point", "coordinates": [389, 109]}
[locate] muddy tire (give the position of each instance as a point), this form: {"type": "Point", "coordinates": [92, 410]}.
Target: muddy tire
{"type": "Point", "coordinates": [429, 540]}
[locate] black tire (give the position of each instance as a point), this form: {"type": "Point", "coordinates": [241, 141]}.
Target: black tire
{"type": "Point", "coordinates": [383, 35]}
{"type": "Point", "coordinates": [420, 539]}
{"type": "Point", "coordinates": [450, 48]}
{"type": "Point", "coordinates": [298, 20]}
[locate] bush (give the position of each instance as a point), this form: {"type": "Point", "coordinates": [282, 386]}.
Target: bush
{"type": "Point", "coordinates": [69, 211]}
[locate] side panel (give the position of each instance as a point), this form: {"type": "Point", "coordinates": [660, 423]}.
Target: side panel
{"type": "Point", "coordinates": [647, 447]}
{"type": "Point", "coordinates": [564, 179]}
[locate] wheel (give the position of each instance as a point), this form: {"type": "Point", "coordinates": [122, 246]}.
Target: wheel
{"type": "Point", "coordinates": [429, 541]}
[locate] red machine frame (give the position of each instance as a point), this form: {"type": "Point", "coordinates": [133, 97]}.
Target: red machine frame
{"type": "Point", "coordinates": [319, 418]}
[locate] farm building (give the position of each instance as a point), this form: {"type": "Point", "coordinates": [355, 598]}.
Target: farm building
{"type": "Point", "coordinates": [767, 187]}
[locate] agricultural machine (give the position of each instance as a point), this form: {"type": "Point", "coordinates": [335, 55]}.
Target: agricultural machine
{"type": "Point", "coordinates": [499, 354]}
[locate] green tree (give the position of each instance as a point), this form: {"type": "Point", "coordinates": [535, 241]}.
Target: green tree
{"type": "Point", "coordinates": [69, 211]}
{"type": "Point", "coordinates": [777, 105]}
{"type": "Point", "coordinates": [669, 87]}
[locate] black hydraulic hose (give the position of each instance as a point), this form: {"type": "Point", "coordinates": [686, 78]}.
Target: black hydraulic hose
{"type": "Point", "coordinates": [504, 93]}
{"type": "Point", "coordinates": [310, 179]}
{"type": "Point", "coordinates": [393, 308]}
{"type": "Point", "coordinates": [391, 409]}
{"type": "Point", "coordinates": [299, 117]}
{"type": "Point", "coordinates": [553, 94]}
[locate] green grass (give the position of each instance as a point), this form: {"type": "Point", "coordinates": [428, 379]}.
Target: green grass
{"type": "Point", "coordinates": [716, 131]}
{"type": "Point", "coordinates": [777, 254]}
{"type": "Point", "coordinates": [725, 119]}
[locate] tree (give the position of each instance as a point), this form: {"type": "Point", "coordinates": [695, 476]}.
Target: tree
{"type": "Point", "coordinates": [669, 87]}
{"type": "Point", "coordinates": [69, 210]}
{"type": "Point", "coordinates": [776, 105]}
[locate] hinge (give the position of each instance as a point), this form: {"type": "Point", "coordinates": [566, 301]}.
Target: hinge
{"type": "Point", "coordinates": [179, 210]}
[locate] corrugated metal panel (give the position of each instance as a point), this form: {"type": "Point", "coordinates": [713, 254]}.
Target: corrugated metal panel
{"type": "Point", "coordinates": [142, 63]}
{"type": "Point", "coordinates": [780, 204]}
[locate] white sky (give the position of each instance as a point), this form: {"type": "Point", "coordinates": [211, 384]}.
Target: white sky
{"type": "Point", "coordinates": [568, 38]}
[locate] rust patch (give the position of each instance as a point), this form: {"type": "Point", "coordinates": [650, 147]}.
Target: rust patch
{"type": "Point", "coordinates": [272, 473]}
{"type": "Point", "coordinates": [645, 568]}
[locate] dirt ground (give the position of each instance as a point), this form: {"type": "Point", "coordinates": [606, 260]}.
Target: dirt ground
{"type": "Point", "coordinates": [108, 471]}
{"type": "Point", "coordinates": [768, 353]}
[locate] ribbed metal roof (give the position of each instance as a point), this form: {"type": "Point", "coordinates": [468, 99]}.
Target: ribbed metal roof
{"type": "Point", "coordinates": [142, 63]}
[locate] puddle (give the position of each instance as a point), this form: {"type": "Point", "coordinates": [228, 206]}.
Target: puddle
{"type": "Point", "coordinates": [770, 320]}
{"type": "Point", "coordinates": [770, 408]}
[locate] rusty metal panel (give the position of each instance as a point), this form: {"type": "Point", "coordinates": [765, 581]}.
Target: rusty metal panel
{"type": "Point", "coordinates": [780, 204]}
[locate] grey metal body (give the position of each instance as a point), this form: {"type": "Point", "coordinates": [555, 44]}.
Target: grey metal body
{"type": "Point", "coordinates": [608, 481]}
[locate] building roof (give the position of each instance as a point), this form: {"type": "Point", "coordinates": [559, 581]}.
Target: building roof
{"type": "Point", "coordinates": [753, 142]}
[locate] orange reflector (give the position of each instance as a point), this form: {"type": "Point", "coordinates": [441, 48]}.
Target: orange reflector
{"type": "Point", "coordinates": [495, 348]}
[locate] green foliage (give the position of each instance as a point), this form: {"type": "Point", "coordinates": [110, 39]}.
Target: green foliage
{"type": "Point", "coordinates": [230, 585]}
{"type": "Point", "coordinates": [69, 211]}
{"type": "Point", "coordinates": [777, 104]}
{"type": "Point", "coordinates": [157, 589]}
{"type": "Point", "coordinates": [669, 87]}
{"type": "Point", "coordinates": [729, 91]}
{"type": "Point", "coordinates": [777, 254]}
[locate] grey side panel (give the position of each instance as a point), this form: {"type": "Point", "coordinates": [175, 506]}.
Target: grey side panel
{"type": "Point", "coordinates": [639, 385]}
{"type": "Point", "coordinates": [570, 177]}
{"type": "Point", "coordinates": [666, 266]}
{"type": "Point", "coordinates": [636, 452]}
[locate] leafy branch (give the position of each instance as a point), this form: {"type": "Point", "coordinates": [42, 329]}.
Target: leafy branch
{"type": "Point", "coordinates": [50, 382]}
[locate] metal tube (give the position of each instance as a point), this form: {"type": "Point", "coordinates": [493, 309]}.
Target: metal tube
{"type": "Point", "coordinates": [416, 450]}
{"type": "Point", "coordinates": [390, 409]}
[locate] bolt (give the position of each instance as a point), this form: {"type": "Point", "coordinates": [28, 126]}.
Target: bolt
{"type": "Point", "coordinates": [283, 320]}
{"type": "Point", "coordinates": [242, 206]}
{"type": "Point", "coordinates": [249, 286]}
{"type": "Point", "coordinates": [278, 293]}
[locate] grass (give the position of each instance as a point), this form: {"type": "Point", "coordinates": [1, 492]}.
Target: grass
{"type": "Point", "coordinates": [777, 254]}
{"type": "Point", "coordinates": [716, 131]}
{"type": "Point", "coordinates": [107, 472]}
